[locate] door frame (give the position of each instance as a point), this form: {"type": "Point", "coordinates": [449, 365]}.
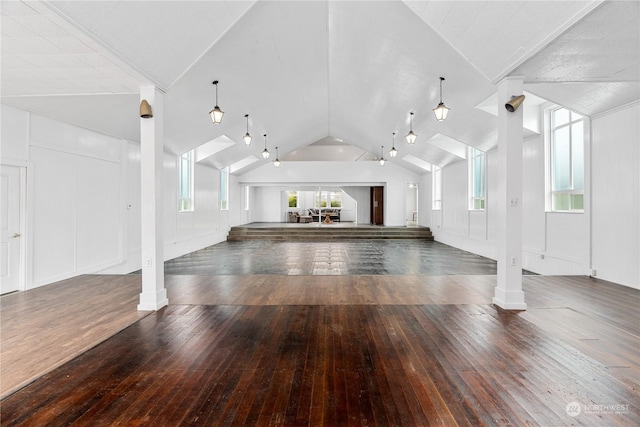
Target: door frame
{"type": "Point", "coordinates": [25, 219]}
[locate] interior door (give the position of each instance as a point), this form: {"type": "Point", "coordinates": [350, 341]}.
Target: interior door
{"type": "Point", "coordinates": [377, 205]}
{"type": "Point", "coordinates": [10, 242]}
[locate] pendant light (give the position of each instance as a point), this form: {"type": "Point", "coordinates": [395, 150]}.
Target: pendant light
{"type": "Point", "coordinates": [411, 137]}
{"type": "Point", "coordinates": [216, 114]}
{"type": "Point", "coordinates": [276, 163]}
{"type": "Point", "coordinates": [393, 152]}
{"type": "Point", "coordinates": [381, 158]}
{"type": "Point", "coordinates": [441, 110]}
{"type": "Point", "coordinates": [265, 152]}
{"type": "Point", "coordinates": [247, 136]}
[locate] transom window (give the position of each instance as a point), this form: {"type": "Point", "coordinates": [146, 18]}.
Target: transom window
{"type": "Point", "coordinates": [566, 155]}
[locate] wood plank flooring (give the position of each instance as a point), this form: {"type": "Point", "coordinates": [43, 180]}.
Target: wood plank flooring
{"type": "Point", "coordinates": [368, 350]}
{"type": "Point", "coordinates": [326, 365]}
{"type": "Point", "coordinates": [45, 327]}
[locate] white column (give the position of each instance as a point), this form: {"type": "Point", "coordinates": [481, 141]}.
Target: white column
{"type": "Point", "coordinates": [154, 294]}
{"type": "Point", "coordinates": [508, 292]}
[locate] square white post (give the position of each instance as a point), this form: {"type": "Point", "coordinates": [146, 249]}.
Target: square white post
{"type": "Point", "coordinates": [508, 292]}
{"type": "Point", "coordinates": [154, 294]}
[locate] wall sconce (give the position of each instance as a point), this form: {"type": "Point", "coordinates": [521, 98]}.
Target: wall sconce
{"type": "Point", "coordinates": [216, 114]}
{"type": "Point", "coordinates": [265, 152]}
{"type": "Point", "coordinates": [411, 137]}
{"type": "Point", "coordinates": [145, 110]}
{"type": "Point", "coordinates": [514, 103]}
{"type": "Point", "coordinates": [393, 152]}
{"type": "Point", "coordinates": [247, 136]}
{"type": "Point", "coordinates": [441, 110]}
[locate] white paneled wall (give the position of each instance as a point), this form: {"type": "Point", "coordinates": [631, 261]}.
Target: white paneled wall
{"type": "Point", "coordinates": [84, 200]}
{"type": "Point", "coordinates": [606, 237]}
{"type": "Point", "coordinates": [616, 196]}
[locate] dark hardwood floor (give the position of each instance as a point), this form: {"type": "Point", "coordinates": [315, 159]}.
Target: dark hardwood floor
{"type": "Point", "coordinates": [366, 350]}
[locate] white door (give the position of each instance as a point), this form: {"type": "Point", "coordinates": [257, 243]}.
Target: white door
{"type": "Point", "coordinates": [11, 240]}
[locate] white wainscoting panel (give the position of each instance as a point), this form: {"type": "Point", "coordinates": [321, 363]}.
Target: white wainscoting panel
{"type": "Point", "coordinates": [54, 215]}
{"type": "Point", "coordinates": [98, 217]}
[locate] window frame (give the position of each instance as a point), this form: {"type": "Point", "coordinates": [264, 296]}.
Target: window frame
{"type": "Point", "coordinates": [477, 202]}
{"type": "Point", "coordinates": [328, 197]}
{"type": "Point", "coordinates": [293, 193]}
{"type": "Point", "coordinates": [186, 204]}
{"type": "Point", "coordinates": [224, 189]}
{"type": "Point", "coordinates": [436, 188]}
{"type": "Point", "coordinates": [572, 192]}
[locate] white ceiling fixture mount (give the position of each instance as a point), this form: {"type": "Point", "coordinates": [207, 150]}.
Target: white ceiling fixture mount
{"type": "Point", "coordinates": [411, 137]}
{"type": "Point", "coordinates": [265, 152]}
{"type": "Point", "coordinates": [381, 161]}
{"type": "Point", "coordinates": [441, 110]}
{"type": "Point", "coordinates": [247, 136]}
{"type": "Point", "coordinates": [393, 152]}
{"type": "Point", "coordinates": [276, 163]}
{"type": "Point", "coordinates": [216, 114]}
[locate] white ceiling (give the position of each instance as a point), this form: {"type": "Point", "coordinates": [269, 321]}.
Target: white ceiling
{"type": "Point", "coordinates": [314, 70]}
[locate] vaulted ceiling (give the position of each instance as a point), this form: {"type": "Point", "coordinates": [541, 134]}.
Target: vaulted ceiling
{"type": "Point", "coordinates": [343, 75]}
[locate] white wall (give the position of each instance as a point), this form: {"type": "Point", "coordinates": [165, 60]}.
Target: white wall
{"type": "Point", "coordinates": [83, 200]}
{"type": "Point", "coordinates": [362, 199]}
{"type": "Point", "coordinates": [616, 196]}
{"type": "Point", "coordinates": [338, 174]}
{"type": "Point", "coordinates": [606, 237]}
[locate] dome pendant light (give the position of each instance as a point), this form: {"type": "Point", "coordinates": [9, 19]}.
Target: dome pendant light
{"type": "Point", "coordinates": [441, 110]}
{"type": "Point", "coordinates": [393, 152]}
{"type": "Point", "coordinates": [381, 158]}
{"type": "Point", "coordinates": [411, 137]}
{"type": "Point", "coordinates": [276, 163]}
{"type": "Point", "coordinates": [247, 136]}
{"type": "Point", "coordinates": [265, 152]}
{"type": "Point", "coordinates": [216, 114]}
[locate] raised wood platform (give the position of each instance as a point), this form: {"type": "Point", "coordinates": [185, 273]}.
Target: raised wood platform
{"type": "Point", "coordinates": [314, 231]}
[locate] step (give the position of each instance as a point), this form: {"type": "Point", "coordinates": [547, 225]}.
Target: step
{"type": "Point", "coordinates": [327, 233]}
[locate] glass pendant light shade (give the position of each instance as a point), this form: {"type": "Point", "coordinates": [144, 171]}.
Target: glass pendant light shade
{"type": "Point", "coordinates": [216, 114]}
{"type": "Point", "coordinates": [393, 152]}
{"type": "Point", "coordinates": [411, 137]}
{"type": "Point", "coordinates": [247, 136]}
{"type": "Point", "coordinates": [276, 163]}
{"type": "Point", "coordinates": [381, 161]}
{"type": "Point", "coordinates": [265, 152]}
{"type": "Point", "coordinates": [441, 110]}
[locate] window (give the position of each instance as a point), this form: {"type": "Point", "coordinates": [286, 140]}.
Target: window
{"type": "Point", "coordinates": [476, 179]}
{"type": "Point", "coordinates": [436, 190]}
{"type": "Point", "coordinates": [224, 189]}
{"type": "Point", "coordinates": [326, 199]}
{"type": "Point", "coordinates": [293, 199]}
{"type": "Point", "coordinates": [185, 182]}
{"type": "Point", "coordinates": [566, 155]}
{"type": "Point", "coordinates": [246, 198]}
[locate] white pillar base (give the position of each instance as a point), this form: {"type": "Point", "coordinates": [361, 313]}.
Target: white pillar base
{"type": "Point", "coordinates": [151, 302]}
{"type": "Point", "coordinates": [509, 300]}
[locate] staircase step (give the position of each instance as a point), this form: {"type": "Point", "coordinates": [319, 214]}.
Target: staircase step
{"type": "Point", "coordinates": [327, 233]}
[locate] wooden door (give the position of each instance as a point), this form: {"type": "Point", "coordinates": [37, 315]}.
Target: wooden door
{"type": "Point", "coordinates": [377, 205]}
